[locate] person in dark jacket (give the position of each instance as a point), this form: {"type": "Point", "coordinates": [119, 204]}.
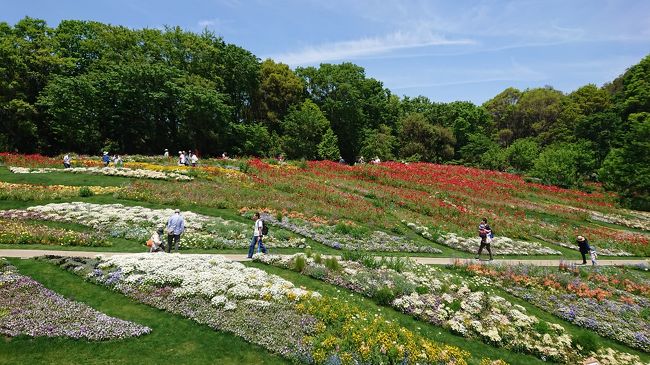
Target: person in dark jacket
{"type": "Point", "coordinates": [485, 233]}
{"type": "Point", "coordinates": [583, 245]}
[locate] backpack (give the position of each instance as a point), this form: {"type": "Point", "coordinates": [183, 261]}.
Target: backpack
{"type": "Point", "coordinates": [265, 229]}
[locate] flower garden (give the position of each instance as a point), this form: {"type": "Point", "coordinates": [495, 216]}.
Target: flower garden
{"type": "Point", "coordinates": [338, 286]}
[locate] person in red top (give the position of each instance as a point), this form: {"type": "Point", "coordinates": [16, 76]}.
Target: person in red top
{"type": "Point", "coordinates": [485, 233]}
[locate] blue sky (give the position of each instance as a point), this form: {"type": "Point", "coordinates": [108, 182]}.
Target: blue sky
{"type": "Point", "coordinates": [445, 50]}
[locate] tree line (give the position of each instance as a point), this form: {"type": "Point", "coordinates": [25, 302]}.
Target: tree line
{"type": "Point", "coordinates": [86, 87]}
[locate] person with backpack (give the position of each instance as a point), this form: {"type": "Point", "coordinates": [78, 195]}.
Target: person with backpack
{"type": "Point", "coordinates": [259, 231]}
{"type": "Point", "coordinates": [485, 233]}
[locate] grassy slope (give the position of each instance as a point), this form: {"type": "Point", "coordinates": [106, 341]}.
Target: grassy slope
{"type": "Point", "coordinates": [120, 245]}
{"type": "Point", "coordinates": [174, 340]}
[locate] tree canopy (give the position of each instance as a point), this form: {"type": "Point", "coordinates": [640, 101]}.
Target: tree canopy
{"type": "Point", "coordinates": [85, 86]}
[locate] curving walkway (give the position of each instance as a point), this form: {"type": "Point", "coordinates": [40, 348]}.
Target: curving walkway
{"type": "Point", "coordinates": [25, 254]}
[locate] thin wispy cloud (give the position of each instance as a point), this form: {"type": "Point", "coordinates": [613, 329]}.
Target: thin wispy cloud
{"type": "Point", "coordinates": [346, 50]}
{"type": "Point", "coordinates": [515, 73]}
{"type": "Point", "coordinates": [207, 23]}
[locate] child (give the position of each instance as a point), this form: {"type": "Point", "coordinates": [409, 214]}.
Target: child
{"type": "Point", "coordinates": [155, 242]}
{"type": "Point", "coordinates": [593, 255]}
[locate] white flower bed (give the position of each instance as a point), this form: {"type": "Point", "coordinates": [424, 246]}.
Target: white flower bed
{"type": "Point", "coordinates": [224, 282]}
{"type": "Point", "coordinates": [446, 300]}
{"type": "Point", "coordinates": [138, 223]}
{"type": "Point", "coordinates": [112, 171]}
{"type": "Point", "coordinates": [500, 245]}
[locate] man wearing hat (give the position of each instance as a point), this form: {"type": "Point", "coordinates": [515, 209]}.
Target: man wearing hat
{"type": "Point", "coordinates": [166, 154]}
{"type": "Point", "coordinates": [583, 245]}
{"type": "Point", "coordinates": [175, 227]}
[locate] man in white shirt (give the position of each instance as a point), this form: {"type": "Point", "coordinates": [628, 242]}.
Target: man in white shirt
{"type": "Point", "coordinates": [175, 228]}
{"type": "Point", "coordinates": [194, 160]}
{"type": "Point", "coordinates": [257, 236]}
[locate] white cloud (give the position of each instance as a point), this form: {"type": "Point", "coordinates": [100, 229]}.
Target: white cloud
{"type": "Point", "coordinates": [346, 50]}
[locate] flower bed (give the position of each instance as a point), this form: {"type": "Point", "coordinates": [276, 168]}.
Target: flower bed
{"type": "Point", "coordinates": [304, 326]}
{"type": "Point", "coordinates": [612, 305]}
{"type": "Point", "coordinates": [110, 171]}
{"type": "Point", "coordinates": [338, 238]}
{"type": "Point", "coordinates": [441, 299]}
{"type": "Point", "coordinates": [464, 306]}
{"type": "Point", "coordinates": [27, 192]}
{"type": "Point", "coordinates": [500, 245]}
{"type": "Point", "coordinates": [28, 308]}
{"type": "Point", "coordinates": [137, 223]}
{"type": "Point", "coordinates": [31, 233]}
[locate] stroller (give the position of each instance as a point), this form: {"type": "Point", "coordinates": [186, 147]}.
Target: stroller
{"type": "Point", "coordinates": [155, 242]}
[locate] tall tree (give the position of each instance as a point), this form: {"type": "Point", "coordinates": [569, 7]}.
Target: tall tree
{"type": "Point", "coordinates": [279, 90]}
{"type": "Point", "coordinates": [303, 130]}
{"type": "Point", "coordinates": [349, 100]}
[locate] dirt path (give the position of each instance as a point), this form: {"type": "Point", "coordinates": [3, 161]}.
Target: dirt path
{"type": "Point", "coordinates": [242, 257]}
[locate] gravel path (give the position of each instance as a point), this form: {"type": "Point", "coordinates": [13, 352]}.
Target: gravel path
{"type": "Point", "coordinates": [25, 254]}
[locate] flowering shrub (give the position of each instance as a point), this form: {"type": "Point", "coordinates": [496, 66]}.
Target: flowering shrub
{"type": "Point", "coordinates": [612, 305]}
{"type": "Point", "coordinates": [304, 326]}
{"type": "Point", "coordinates": [111, 171]}
{"type": "Point", "coordinates": [137, 223]}
{"type": "Point", "coordinates": [31, 309]}
{"type": "Point", "coordinates": [27, 192]}
{"type": "Point", "coordinates": [34, 160]}
{"type": "Point", "coordinates": [24, 233]}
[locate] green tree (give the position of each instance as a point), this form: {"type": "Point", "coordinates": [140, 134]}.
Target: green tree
{"type": "Point", "coordinates": [303, 129]}
{"type": "Point", "coordinates": [522, 154]}
{"type": "Point", "coordinates": [328, 148]}
{"type": "Point", "coordinates": [495, 159]}
{"type": "Point", "coordinates": [564, 164]}
{"type": "Point", "coordinates": [379, 142]}
{"type": "Point", "coordinates": [627, 169]}
{"type": "Point", "coordinates": [279, 90]}
{"type": "Point", "coordinates": [250, 139]}
{"type": "Point", "coordinates": [350, 101]}
{"type": "Point", "coordinates": [477, 145]}
{"type": "Point", "coordinates": [503, 108]}
{"type": "Point", "coordinates": [419, 139]}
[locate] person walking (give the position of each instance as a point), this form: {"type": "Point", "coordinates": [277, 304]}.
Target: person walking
{"type": "Point", "coordinates": [175, 227]}
{"type": "Point", "coordinates": [583, 246]}
{"type": "Point", "coordinates": [66, 161]}
{"type": "Point", "coordinates": [485, 233]}
{"type": "Point", "coordinates": [257, 236]}
{"type": "Point", "coordinates": [106, 159]}
{"type": "Point", "coordinates": [166, 154]}
{"type": "Point", "coordinates": [194, 159]}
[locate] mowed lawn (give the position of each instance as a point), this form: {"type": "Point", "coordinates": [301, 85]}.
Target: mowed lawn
{"type": "Point", "coordinates": [173, 340]}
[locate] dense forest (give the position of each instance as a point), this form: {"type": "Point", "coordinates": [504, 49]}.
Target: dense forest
{"type": "Point", "coordinates": [87, 87]}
